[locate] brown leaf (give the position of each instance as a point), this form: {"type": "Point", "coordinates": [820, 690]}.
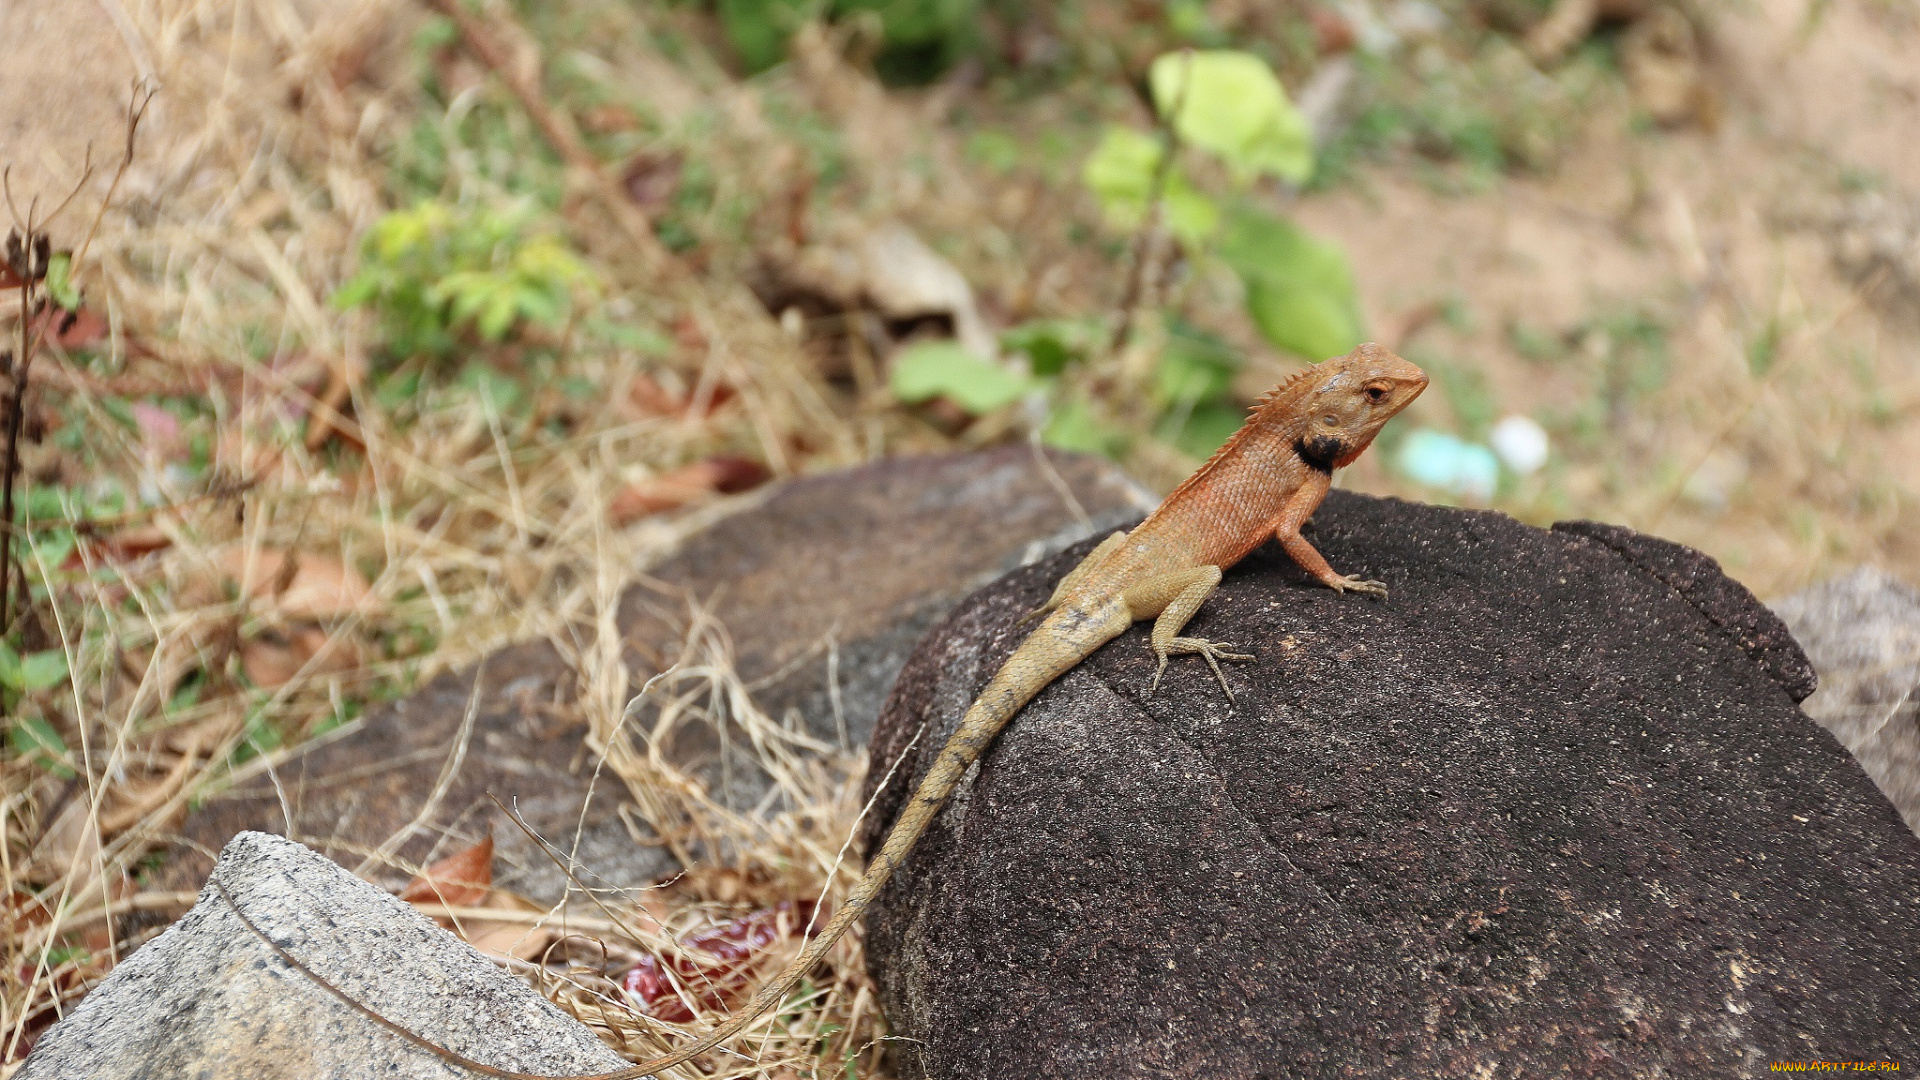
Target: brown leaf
{"type": "Point", "coordinates": [686, 485]}
{"type": "Point", "coordinates": [70, 329]}
{"type": "Point", "coordinates": [648, 398]}
{"type": "Point", "coordinates": [123, 545]}
{"type": "Point", "coordinates": [307, 587]}
{"type": "Point", "coordinates": [1332, 33]}
{"type": "Point", "coordinates": [462, 879]}
{"type": "Point", "coordinates": [72, 840]}
{"type": "Point", "coordinates": [609, 119]}
{"type": "Point", "coordinates": [272, 659]}
{"type": "Point", "coordinates": [651, 179]}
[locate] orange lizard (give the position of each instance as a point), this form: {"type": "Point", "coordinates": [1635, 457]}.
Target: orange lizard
{"type": "Point", "coordinates": [1266, 481]}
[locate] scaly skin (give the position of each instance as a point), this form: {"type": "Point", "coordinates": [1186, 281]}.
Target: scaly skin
{"type": "Point", "coordinates": [1266, 481]}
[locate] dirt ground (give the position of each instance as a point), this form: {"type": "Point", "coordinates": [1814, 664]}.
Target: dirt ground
{"type": "Point", "coordinates": [1727, 235]}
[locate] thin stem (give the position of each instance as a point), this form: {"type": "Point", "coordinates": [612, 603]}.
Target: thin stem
{"type": "Point", "coordinates": [1143, 242]}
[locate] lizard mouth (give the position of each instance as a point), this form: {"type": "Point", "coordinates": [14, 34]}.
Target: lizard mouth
{"type": "Point", "coordinates": [1322, 451]}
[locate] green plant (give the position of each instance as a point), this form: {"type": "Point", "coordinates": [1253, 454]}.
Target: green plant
{"type": "Point", "coordinates": [1299, 290]}
{"type": "Point", "coordinates": [1229, 104]}
{"type": "Point", "coordinates": [1193, 384]}
{"type": "Point", "coordinates": [434, 272]}
{"type": "Point", "coordinates": [944, 369]}
{"type": "Point", "coordinates": [919, 38]}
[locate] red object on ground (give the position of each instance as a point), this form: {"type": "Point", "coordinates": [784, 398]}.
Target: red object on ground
{"type": "Point", "coordinates": [715, 965]}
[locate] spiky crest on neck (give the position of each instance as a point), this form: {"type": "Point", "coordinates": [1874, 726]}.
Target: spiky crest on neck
{"type": "Point", "coordinates": [1277, 401]}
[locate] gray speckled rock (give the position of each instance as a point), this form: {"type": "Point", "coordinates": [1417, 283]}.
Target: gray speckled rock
{"type": "Point", "coordinates": [206, 999]}
{"type": "Point", "coordinates": [1862, 632]}
{"type": "Point", "coordinates": [1549, 811]}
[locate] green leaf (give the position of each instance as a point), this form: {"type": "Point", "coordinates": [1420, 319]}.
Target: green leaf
{"type": "Point", "coordinates": [33, 738]}
{"type": "Point", "coordinates": [1120, 173]}
{"type": "Point", "coordinates": [1195, 366]}
{"type": "Point", "coordinates": [1049, 344]}
{"type": "Point", "coordinates": [497, 318]}
{"type": "Point", "coordinates": [43, 670]}
{"type": "Point", "coordinates": [1073, 426]}
{"type": "Point", "coordinates": [944, 369]}
{"type": "Point", "coordinates": [398, 389]}
{"type": "Point", "coordinates": [641, 339]}
{"type": "Point", "coordinates": [758, 29]}
{"type": "Point", "coordinates": [996, 150]}
{"type": "Point", "coordinates": [1207, 427]}
{"type": "Point", "coordinates": [488, 384]}
{"type": "Point", "coordinates": [1233, 105]}
{"type": "Point", "coordinates": [60, 281]}
{"type": "Point", "coordinates": [1299, 290]}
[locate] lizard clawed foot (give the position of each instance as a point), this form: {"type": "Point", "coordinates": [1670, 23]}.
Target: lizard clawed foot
{"type": "Point", "coordinates": [1354, 583]}
{"type": "Point", "coordinates": [1211, 651]}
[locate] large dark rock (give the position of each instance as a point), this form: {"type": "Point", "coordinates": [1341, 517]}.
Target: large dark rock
{"type": "Point", "coordinates": [1551, 810]}
{"type": "Point", "coordinates": [829, 579]}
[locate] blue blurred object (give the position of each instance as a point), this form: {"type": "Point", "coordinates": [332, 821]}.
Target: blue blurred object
{"type": "Point", "coordinates": [1439, 460]}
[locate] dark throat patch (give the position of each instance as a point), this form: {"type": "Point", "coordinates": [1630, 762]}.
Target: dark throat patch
{"type": "Point", "coordinates": [1321, 451]}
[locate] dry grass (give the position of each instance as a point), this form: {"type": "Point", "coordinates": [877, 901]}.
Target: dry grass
{"type": "Point", "coordinates": [293, 584]}
{"type": "Point", "coordinates": [288, 585]}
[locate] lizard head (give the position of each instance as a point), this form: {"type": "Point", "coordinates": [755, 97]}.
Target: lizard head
{"type": "Point", "coordinates": [1347, 401]}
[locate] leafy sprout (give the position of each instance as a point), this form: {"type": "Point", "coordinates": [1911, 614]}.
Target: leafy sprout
{"type": "Point", "coordinates": [435, 272]}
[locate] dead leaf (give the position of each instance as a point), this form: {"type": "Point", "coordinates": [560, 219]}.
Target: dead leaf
{"type": "Point", "coordinates": [273, 659]}
{"type": "Point", "coordinates": [609, 119]}
{"type": "Point", "coordinates": [134, 801]}
{"type": "Point", "coordinates": [70, 329]}
{"type": "Point", "coordinates": [648, 398]}
{"type": "Point", "coordinates": [121, 545]}
{"type": "Point", "coordinates": [651, 179]}
{"type": "Point", "coordinates": [343, 376]}
{"type": "Point", "coordinates": [1331, 31]}
{"type": "Point", "coordinates": [462, 879]}
{"type": "Point", "coordinates": [516, 938]}
{"type": "Point", "coordinates": [71, 841]}
{"type": "Point", "coordinates": [686, 485]}
{"type": "Point", "coordinates": [315, 587]}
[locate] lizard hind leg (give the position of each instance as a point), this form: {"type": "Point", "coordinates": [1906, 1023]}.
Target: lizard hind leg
{"type": "Point", "coordinates": [1074, 577]}
{"type": "Point", "coordinates": [1174, 598]}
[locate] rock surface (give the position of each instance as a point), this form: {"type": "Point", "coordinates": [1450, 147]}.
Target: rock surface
{"type": "Point", "coordinates": [1549, 811]}
{"type": "Point", "coordinates": [829, 579]}
{"type": "Point", "coordinates": [1862, 632]}
{"type": "Point", "coordinates": [207, 999]}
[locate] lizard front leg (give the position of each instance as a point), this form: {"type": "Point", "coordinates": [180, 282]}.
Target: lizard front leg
{"type": "Point", "coordinates": [1286, 529]}
{"type": "Point", "coordinates": [1171, 600]}
{"type": "Point", "coordinates": [1075, 576]}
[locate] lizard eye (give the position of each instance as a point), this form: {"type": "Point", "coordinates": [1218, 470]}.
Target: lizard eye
{"type": "Point", "coordinates": [1377, 393]}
